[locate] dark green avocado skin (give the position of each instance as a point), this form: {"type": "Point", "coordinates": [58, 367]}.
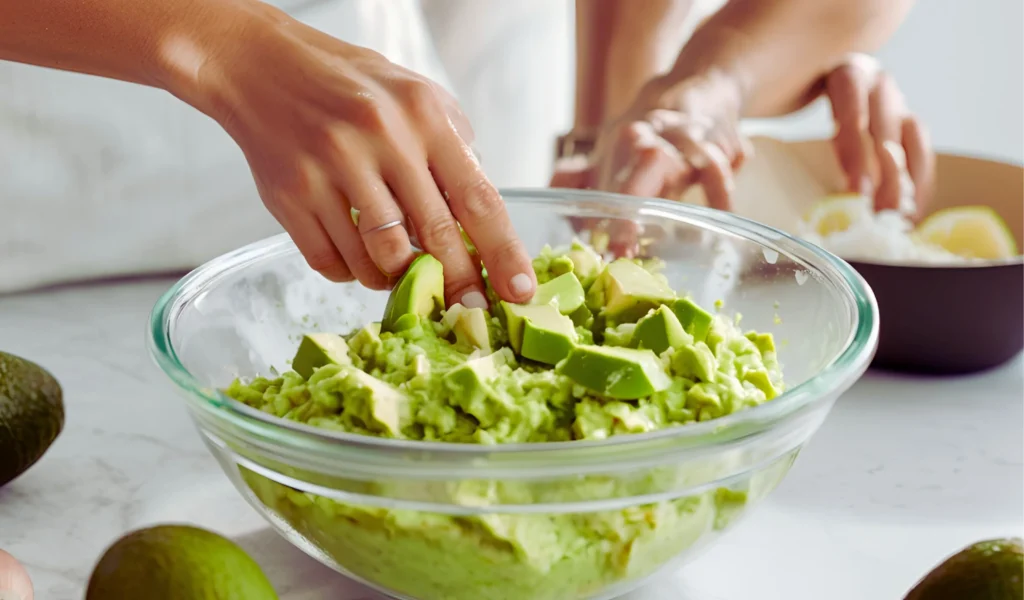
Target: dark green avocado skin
{"type": "Point", "coordinates": [31, 414]}
{"type": "Point", "coordinates": [987, 570]}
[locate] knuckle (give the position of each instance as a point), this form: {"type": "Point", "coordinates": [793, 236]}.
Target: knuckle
{"type": "Point", "coordinates": [296, 185]}
{"type": "Point", "coordinates": [634, 133]}
{"type": "Point", "coordinates": [480, 201]}
{"type": "Point", "coordinates": [326, 260]}
{"type": "Point", "coordinates": [437, 231]}
{"type": "Point", "coordinates": [368, 113]}
{"type": "Point", "coordinates": [649, 155]}
{"type": "Point", "coordinates": [421, 99]}
{"type": "Point", "coordinates": [390, 247]}
{"type": "Point", "coordinates": [336, 145]}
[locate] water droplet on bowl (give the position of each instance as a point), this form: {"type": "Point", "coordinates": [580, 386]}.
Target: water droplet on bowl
{"type": "Point", "coordinates": [770, 255]}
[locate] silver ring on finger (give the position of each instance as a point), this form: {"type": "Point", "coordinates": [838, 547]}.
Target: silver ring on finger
{"type": "Point", "coordinates": [388, 225]}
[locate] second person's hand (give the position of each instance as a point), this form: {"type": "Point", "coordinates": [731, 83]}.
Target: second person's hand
{"type": "Point", "coordinates": [328, 127]}
{"type": "Point", "coordinates": [674, 136]}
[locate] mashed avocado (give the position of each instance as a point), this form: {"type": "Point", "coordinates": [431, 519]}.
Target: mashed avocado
{"type": "Point", "coordinates": [633, 357]}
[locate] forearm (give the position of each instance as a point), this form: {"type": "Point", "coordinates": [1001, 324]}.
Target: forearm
{"type": "Point", "coordinates": [620, 45]}
{"type": "Point", "coordinates": [159, 43]}
{"type": "Point", "coordinates": [780, 50]}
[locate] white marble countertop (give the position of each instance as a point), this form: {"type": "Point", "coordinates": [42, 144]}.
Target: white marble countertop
{"type": "Point", "coordinates": [904, 471]}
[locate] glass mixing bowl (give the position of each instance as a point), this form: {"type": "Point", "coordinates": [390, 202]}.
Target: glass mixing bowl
{"type": "Point", "coordinates": [554, 521]}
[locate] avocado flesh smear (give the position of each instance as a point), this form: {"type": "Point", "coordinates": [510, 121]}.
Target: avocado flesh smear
{"type": "Point", "coordinates": [521, 373]}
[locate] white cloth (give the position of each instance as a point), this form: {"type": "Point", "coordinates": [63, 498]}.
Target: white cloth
{"type": "Point", "coordinates": [100, 178]}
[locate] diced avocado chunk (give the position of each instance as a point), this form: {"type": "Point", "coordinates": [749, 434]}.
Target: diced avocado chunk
{"type": "Point", "coordinates": [471, 329]}
{"type": "Point", "coordinates": [695, 362]}
{"type": "Point", "coordinates": [585, 262]}
{"type": "Point", "coordinates": [620, 335]}
{"type": "Point", "coordinates": [765, 342]}
{"type": "Point", "coordinates": [563, 292]}
{"type": "Point", "coordinates": [539, 332]}
{"type": "Point", "coordinates": [470, 383]}
{"type": "Point", "coordinates": [659, 331]}
{"type": "Point", "coordinates": [620, 373]}
{"type": "Point", "coordinates": [695, 320]}
{"type": "Point", "coordinates": [380, 406]}
{"type": "Point", "coordinates": [319, 349]}
{"type": "Point", "coordinates": [625, 292]}
{"type": "Point", "coordinates": [419, 292]}
{"type": "Point", "coordinates": [582, 317]}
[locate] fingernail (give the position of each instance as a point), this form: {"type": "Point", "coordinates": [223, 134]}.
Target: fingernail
{"type": "Point", "coordinates": [474, 299]}
{"type": "Point", "coordinates": [521, 284]}
{"type": "Point", "coordinates": [867, 188]}
{"type": "Point", "coordinates": [9, 595]}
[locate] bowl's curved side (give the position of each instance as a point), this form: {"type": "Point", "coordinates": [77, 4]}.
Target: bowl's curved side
{"type": "Point", "coordinates": [947, 320]}
{"type": "Point", "coordinates": [584, 555]}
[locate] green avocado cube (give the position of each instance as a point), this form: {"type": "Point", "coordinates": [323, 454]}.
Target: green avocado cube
{"type": "Point", "coordinates": [471, 329]}
{"type": "Point", "coordinates": [585, 262]}
{"type": "Point", "coordinates": [470, 383]}
{"type": "Point", "coordinates": [764, 342]}
{"type": "Point", "coordinates": [695, 362]}
{"type": "Point", "coordinates": [621, 373]}
{"type": "Point", "coordinates": [539, 331]}
{"type": "Point", "coordinates": [659, 331]}
{"type": "Point", "coordinates": [563, 292]}
{"type": "Point", "coordinates": [319, 349]}
{"type": "Point", "coordinates": [695, 320]}
{"type": "Point", "coordinates": [380, 406]}
{"type": "Point", "coordinates": [625, 292]}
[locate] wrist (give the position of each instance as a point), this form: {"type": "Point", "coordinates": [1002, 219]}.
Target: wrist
{"type": "Point", "coordinates": [711, 91]}
{"type": "Point", "coordinates": [192, 54]}
{"type": "Point", "coordinates": [716, 59]}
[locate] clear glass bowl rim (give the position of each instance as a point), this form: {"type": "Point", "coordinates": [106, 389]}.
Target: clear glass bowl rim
{"type": "Point", "coordinates": [699, 438]}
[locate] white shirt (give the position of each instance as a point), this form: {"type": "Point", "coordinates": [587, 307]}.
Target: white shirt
{"type": "Point", "coordinates": [100, 178]}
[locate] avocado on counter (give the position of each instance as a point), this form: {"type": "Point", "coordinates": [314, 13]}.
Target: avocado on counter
{"type": "Point", "coordinates": [319, 349]}
{"type": "Point", "coordinates": [418, 293]}
{"type": "Point", "coordinates": [620, 373]}
{"type": "Point", "coordinates": [539, 331]}
{"type": "Point", "coordinates": [624, 292]}
{"type": "Point", "coordinates": [987, 570]}
{"type": "Point", "coordinates": [175, 562]}
{"type": "Point", "coordinates": [31, 414]}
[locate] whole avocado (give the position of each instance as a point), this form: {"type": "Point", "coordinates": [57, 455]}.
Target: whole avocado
{"type": "Point", "coordinates": [987, 570]}
{"type": "Point", "coordinates": [31, 414]}
{"type": "Point", "coordinates": [175, 562]}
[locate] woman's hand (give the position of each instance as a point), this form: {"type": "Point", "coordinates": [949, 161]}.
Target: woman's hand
{"type": "Point", "coordinates": [876, 136]}
{"type": "Point", "coordinates": [671, 138]}
{"type": "Point", "coordinates": [328, 127]}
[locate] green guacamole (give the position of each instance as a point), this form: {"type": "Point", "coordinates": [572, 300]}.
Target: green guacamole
{"type": "Point", "coordinates": [604, 349]}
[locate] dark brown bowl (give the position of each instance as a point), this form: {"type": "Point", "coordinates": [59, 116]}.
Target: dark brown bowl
{"type": "Point", "coordinates": [947, 320]}
{"type": "Point", "coordinates": [933, 318]}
